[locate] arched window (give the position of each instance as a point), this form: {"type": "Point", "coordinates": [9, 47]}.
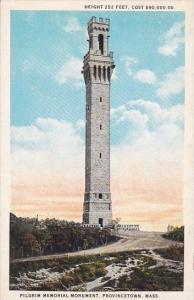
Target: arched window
{"type": "Point", "coordinates": [95, 72]}
{"type": "Point", "coordinates": [99, 72]}
{"type": "Point", "coordinates": [108, 73]}
{"type": "Point", "coordinates": [101, 43]}
{"type": "Point", "coordinates": [104, 73]}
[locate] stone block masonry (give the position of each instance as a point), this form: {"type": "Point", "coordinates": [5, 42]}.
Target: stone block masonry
{"type": "Point", "coordinates": [97, 71]}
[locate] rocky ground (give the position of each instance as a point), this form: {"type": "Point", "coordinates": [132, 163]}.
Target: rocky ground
{"type": "Point", "coordinates": [139, 270]}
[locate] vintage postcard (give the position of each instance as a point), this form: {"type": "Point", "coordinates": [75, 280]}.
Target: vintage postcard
{"type": "Point", "coordinates": [97, 149]}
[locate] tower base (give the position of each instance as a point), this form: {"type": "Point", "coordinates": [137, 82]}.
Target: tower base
{"type": "Point", "coordinates": [98, 218]}
{"type": "Point", "coordinates": [97, 210]}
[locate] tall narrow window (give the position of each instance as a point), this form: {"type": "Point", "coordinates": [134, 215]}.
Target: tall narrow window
{"type": "Point", "coordinates": [100, 155]}
{"type": "Point", "coordinates": [101, 43]}
{"type": "Point", "coordinates": [100, 126]}
{"type": "Point", "coordinates": [99, 72]}
{"type": "Point", "coordinates": [104, 73]}
{"type": "Point", "coordinates": [88, 108]}
{"type": "Point", "coordinates": [100, 196]}
{"type": "Point", "coordinates": [95, 71]}
{"type": "Point", "coordinates": [108, 73]}
{"type": "Point", "coordinates": [100, 99]}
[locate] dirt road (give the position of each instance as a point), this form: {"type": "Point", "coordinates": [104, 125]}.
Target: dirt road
{"type": "Point", "coordinates": [129, 241]}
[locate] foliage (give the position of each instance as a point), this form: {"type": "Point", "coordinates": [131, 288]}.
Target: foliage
{"type": "Point", "coordinates": [157, 279]}
{"type": "Point", "coordinates": [54, 264]}
{"type": "Point", "coordinates": [116, 221]}
{"type": "Point", "coordinates": [30, 237]}
{"type": "Point", "coordinates": [173, 252]}
{"type": "Point", "coordinates": [177, 234]}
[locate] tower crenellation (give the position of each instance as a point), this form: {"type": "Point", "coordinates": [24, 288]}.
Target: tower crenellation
{"type": "Point", "coordinates": [97, 71]}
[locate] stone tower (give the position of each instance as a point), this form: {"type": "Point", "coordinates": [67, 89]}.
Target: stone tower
{"type": "Point", "coordinates": [97, 70]}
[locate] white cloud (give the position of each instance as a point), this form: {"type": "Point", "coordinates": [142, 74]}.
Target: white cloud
{"type": "Point", "coordinates": [147, 165]}
{"type": "Point", "coordinates": [147, 115]}
{"type": "Point", "coordinates": [45, 132]}
{"type": "Point", "coordinates": [172, 84]}
{"type": "Point", "coordinates": [114, 74]}
{"type": "Point", "coordinates": [176, 114]}
{"type": "Point", "coordinates": [146, 76]}
{"type": "Point", "coordinates": [71, 71]}
{"type": "Point", "coordinates": [115, 110]}
{"type": "Point", "coordinates": [128, 62]}
{"type": "Point", "coordinates": [153, 109]}
{"type": "Point", "coordinates": [73, 25]}
{"type": "Point", "coordinates": [48, 150]}
{"type": "Point", "coordinates": [143, 75]}
{"type": "Point", "coordinates": [173, 39]}
{"type": "Point", "coordinates": [158, 114]}
{"type": "Point", "coordinates": [80, 124]}
{"type": "Point", "coordinates": [150, 155]}
{"type": "Point", "coordinates": [135, 118]}
{"type": "Point", "coordinates": [51, 146]}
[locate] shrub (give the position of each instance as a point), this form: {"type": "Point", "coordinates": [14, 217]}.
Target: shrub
{"type": "Point", "coordinates": [174, 252]}
{"type": "Point", "coordinates": [177, 234]}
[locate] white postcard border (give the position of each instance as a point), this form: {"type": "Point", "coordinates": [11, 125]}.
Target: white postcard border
{"type": "Point", "coordinates": [6, 7]}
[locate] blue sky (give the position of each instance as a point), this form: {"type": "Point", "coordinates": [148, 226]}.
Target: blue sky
{"type": "Point", "coordinates": [42, 43]}
{"type": "Point", "coordinates": [147, 114]}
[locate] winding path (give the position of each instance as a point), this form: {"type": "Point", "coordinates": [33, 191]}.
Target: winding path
{"type": "Point", "coordinates": [129, 241]}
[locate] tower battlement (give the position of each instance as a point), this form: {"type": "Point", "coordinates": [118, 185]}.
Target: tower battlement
{"type": "Point", "coordinates": [99, 21]}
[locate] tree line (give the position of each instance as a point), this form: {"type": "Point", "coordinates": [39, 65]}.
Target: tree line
{"type": "Point", "coordinates": [177, 234]}
{"type": "Point", "coordinates": [30, 237]}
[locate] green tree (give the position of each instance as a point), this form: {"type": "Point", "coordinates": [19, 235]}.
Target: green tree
{"type": "Point", "coordinates": [30, 243]}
